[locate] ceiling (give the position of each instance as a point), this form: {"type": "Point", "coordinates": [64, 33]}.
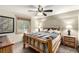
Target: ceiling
{"type": "Point", "coordinates": [23, 9]}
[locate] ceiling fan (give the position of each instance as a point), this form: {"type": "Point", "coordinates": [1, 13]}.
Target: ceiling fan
{"type": "Point", "coordinates": [40, 9]}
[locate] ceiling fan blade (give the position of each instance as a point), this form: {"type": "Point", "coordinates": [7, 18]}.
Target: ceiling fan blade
{"type": "Point", "coordinates": [32, 11]}
{"type": "Point", "coordinates": [44, 14]}
{"type": "Point", "coordinates": [48, 10]}
{"type": "Point", "coordinates": [30, 6]}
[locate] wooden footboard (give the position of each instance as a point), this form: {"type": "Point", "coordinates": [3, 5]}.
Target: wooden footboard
{"type": "Point", "coordinates": [56, 47]}
{"type": "Point", "coordinates": [38, 44]}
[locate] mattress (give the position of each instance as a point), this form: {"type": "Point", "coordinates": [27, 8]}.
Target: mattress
{"type": "Point", "coordinates": [54, 41]}
{"type": "Point", "coordinates": [45, 35]}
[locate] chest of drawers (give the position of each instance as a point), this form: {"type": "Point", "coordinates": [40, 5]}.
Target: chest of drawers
{"type": "Point", "coordinates": [69, 41]}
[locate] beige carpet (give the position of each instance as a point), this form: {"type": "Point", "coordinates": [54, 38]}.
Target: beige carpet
{"type": "Point", "coordinates": [65, 49]}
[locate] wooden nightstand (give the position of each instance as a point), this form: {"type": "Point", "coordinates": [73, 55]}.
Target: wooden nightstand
{"type": "Point", "coordinates": [69, 41]}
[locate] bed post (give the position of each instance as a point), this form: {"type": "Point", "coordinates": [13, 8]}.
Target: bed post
{"type": "Point", "coordinates": [49, 46]}
{"type": "Point", "coordinates": [25, 40]}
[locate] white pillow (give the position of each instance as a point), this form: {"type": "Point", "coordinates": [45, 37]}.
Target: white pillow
{"type": "Point", "coordinates": [41, 29]}
{"type": "Point", "coordinates": [45, 30]}
{"type": "Point", "coordinates": [50, 31]}
{"type": "Point", "coordinates": [56, 31]}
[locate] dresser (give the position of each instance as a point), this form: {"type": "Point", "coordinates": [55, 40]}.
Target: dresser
{"type": "Point", "coordinates": [5, 45]}
{"type": "Point", "coordinates": [70, 41]}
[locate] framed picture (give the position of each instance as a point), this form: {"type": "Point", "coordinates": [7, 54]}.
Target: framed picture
{"type": "Point", "coordinates": [6, 24]}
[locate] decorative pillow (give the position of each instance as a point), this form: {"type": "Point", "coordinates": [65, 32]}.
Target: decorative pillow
{"type": "Point", "coordinates": [45, 30]}
{"type": "Point", "coordinates": [54, 35]}
{"type": "Point", "coordinates": [41, 29]}
{"type": "Point", "coordinates": [50, 31]}
{"type": "Point", "coordinates": [57, 31]}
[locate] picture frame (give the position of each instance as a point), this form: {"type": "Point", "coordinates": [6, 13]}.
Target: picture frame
{"type": "Point", "coordinates": [6, 24]}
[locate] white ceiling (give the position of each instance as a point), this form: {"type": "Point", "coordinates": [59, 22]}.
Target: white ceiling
{"type": "Point", "coordinates": [23, 9]}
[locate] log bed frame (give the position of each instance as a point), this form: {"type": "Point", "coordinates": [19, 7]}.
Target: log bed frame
{"type": "Point", "coordinates": [27, 40]}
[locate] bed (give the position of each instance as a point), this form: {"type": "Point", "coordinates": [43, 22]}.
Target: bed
{"type": "Point", "coordinates": [44, 41]}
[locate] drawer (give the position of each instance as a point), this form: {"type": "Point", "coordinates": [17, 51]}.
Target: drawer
{"type": "Point", "coordinates": [7, 49]}
{"type": "Point", "coordinates": [70, 44]}
{"type": "Point", "coordinates": [71, 39]}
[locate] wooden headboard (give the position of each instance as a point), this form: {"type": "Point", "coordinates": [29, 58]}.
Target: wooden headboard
{"type": "Point", "coordinates": [53, 28]}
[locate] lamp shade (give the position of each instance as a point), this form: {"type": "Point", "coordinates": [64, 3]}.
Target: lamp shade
{"type": "Point", "coordinates": [68, 26]}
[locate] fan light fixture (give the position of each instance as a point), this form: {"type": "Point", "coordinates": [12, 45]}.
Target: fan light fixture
{"type": "Point", "coordinates": [39, 14]}
{"type": "Point", "coordinates": [40, 11]}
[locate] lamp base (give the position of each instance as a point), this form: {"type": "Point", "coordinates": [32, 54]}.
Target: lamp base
{"type": "Point", "coordinates": [69, 32]}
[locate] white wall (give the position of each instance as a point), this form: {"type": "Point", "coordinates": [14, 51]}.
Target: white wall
{"type": "Point", "coordinates": [13, 37]}
{"type": "Point", "coordinates": [37, 22]}
{"type": "Point", "coordinates": [34, 24]}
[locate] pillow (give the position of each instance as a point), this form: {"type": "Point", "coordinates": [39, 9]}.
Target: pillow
{"type": "Point", "coordinates": [41, 29]}
{"type": "Point", "coordinates": [50, 31]}
{"type": "Point", "coordinates": [45, 30]}
{"type": "Point", "coordinates": [54, 34]}
{"type": "Point", "coordinates": [57, 31]}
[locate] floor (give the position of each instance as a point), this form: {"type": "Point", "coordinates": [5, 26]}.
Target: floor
{"type": "Point", "coordinates": [65, 49]}
{"type": "Point", "coordinates": [18, 48]}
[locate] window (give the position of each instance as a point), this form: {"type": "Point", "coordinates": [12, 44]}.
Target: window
{"type": "Point", "coordinates": [23, 25]}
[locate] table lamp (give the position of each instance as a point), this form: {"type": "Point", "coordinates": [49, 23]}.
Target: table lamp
{"type": "Point", "coordinates": [69, 29]}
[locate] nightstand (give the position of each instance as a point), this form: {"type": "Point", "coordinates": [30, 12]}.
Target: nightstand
{"type": "Point", "coordinates": [69, 41]}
